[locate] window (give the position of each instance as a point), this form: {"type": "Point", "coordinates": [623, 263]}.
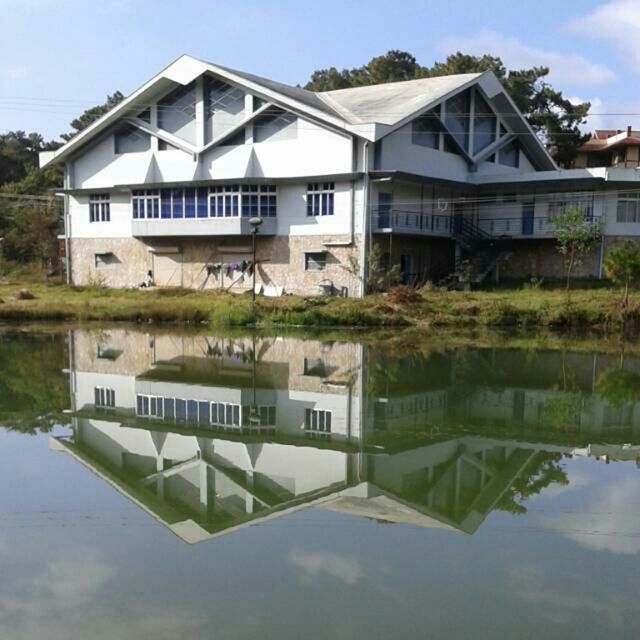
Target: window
{"type": "Point", "coordinates": [216, 202]}
{"type": "Point", "coordinates": [99, 207]}
{"type": "Point", "coordinates": [177, 112]}
{"type": "Point", "coordinates": [261, 416]}
{"type": "Point", "coordinates": [258, 200]}
{"type": "Point", "coordinates": [315, 367]}
{"type": "Point", "coordinates": [485, 124]}
{"type": "Point", "coordinates": [317, 422]}
{"type": "Point", "coordinates": [560, 202]}
{"type": "Point", "coordinates": [320, 198]}
{"type": "Point", "coordinates": [457, 118]}
{"type": "Point", "coordinates": [145, 204]}
{"type": "Point", "coordinates": [315, 261]}
{"type": "Point", "coordinates": [628, 207]}
{"type": "Point", "coordinates": [274, 123]}
{"type": "Point", "coordinates": [509, 155]}
{"type": "Point", "coordinates": [104, 259]}
{"type": "Point", "coordinates": [130, 139]}
{"type": "Point", "coordinates": [425, 131]}
{"type": "Point", "coordinates": [104, 398]}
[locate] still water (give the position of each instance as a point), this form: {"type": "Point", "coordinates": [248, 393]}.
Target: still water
{"type": "Point", "coordinates": [248, 486]}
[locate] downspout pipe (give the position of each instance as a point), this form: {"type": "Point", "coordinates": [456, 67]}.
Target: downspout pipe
{"type": "Point", "coordinates": [365, 220]}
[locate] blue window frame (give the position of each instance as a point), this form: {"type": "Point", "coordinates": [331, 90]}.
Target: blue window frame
{"type": "Point", "coordinates": [202, 206]}
{"type": "Point", "coordinates": [320, 199]}
{"type": "Point", "coordinates": [177, 204]}
{"type": "Point", "coordinates": [189, 203]}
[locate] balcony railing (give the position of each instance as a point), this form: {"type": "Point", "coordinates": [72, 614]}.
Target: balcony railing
{"type": "Point", "coordinates": [401, 221]}
{"type": "Point", "coordinates": [444, 225]}
{"type": "Point", "coordinates": [523, 227]}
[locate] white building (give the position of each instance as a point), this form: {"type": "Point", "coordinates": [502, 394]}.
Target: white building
{"type": "Point", "coordinates": [432, 170]}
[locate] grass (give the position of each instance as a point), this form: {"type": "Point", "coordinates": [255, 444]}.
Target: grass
{"type": "Point", "coordinates": [547, 306]}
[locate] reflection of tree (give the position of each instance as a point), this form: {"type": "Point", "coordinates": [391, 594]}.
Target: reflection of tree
{"type": "Point", "coordinates": [543, 470]}
{"type": "Point", "coordinates": [618, 386]}
{"type": "Point", "coordinates": [562, 411]}
{"type": "Point", "coordinates": [33, 389]}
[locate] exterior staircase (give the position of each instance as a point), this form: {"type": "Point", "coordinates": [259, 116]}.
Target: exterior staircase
{"type": "Point", "coordinates": [479, 257]}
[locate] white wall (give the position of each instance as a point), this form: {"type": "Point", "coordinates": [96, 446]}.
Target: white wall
{"type": "Point", "coordinates": [315, 151]}
{"type": "Point", "coordinates": [291, 216]}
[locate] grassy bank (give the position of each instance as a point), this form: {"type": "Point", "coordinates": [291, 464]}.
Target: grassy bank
{"type": "Point", "coordinates": [542, 307]}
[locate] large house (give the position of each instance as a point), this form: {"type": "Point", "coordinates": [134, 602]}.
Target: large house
{"type": "Point", "coordinates": [432, 172]}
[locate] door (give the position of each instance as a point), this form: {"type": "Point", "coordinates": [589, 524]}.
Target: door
{"type": "Point", "coordinates": [406, 264]}
{"type": "Point", "coordinates": [385, 204]}
{"type": "Point", "coordinates": [528, 212]}
{"type": "Point", "coordinates": [167, 269]}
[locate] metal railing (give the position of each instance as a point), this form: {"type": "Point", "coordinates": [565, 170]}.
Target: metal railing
{"type": "Point", "coordinates": [536, 227]}
{"type": "Point", "coordinates": [444, 225]}
{"type": "Point", "coordinates": [411, 221]}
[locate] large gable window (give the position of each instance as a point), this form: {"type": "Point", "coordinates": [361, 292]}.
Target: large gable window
{"type": "Point", "coordinates": [509, 155]}
{"type": "Point", "coordinates": [130, 139]}
{"type": "Point", "coordinates": [457, 118]}
{"type": "Point", "coordinates": [425, 131]}
{"type": "Point", "coordinates": [224, 107]}
{"type": "Point", "coordinates": [485, 124]}
{"type": "Point", "coordinates": [177, 113]}
{"type": "Point", "coordinates": [275, 124]}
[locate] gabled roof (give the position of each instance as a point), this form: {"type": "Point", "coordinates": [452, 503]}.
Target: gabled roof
{"type": "Point", "coordinates": [393, 102]}
{"type": "Point", "coordinates": [369, 112]}
{"type": "Point", "coordinates": [605, 140]}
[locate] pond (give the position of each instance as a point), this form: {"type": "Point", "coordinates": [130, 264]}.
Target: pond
{"type": "Point", "coordinates": [181, 485]}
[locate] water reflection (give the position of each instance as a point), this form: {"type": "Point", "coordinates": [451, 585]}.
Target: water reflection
{"type": "Point", "coordinates": [208, 434]}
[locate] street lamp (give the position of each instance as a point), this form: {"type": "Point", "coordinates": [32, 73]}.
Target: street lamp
{"type": "Point", "coordinates": [255, 223]}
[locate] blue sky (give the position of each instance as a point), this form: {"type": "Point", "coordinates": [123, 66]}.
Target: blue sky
{"type": "Point", "coordinates": [59, 56]}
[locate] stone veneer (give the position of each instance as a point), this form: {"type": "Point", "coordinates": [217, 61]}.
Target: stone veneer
{"type": "Point", "coordinates": [541, 259]}
{"type": "Point", "coordinates": [280, 258]}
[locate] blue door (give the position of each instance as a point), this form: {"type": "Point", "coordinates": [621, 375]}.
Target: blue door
{"type": "Point", "coordinates": [385, 203]}
{"type": "Point", "coordinates": [528, 212]}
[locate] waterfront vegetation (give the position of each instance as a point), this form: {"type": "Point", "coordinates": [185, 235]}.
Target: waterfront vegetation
{"type": "Point", "coordinates": [591, 305]}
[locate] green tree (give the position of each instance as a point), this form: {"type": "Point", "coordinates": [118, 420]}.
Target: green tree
{"type": "Point", "coordinates": [554, 118]}
{"type": "Point", "coordinates": [618, 386]}
{"type": "Point", "coordinates": [378, 275]}
{"type": "Point", "coordinates": [622, 265]}
{"type": "Point", "coordinates": [91, 115]}
{"type": "Point", "coordinates": [575, 236]}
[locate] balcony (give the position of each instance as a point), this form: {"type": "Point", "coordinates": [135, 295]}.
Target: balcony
{"type": "Point", "coordinates": [448, 226]}
{"type": "Point", "coordinates": [176, 227]}
{"type": "Point", "coordinates": [411, 222]}
{"type": "Point", "coordinates": [522, 227]}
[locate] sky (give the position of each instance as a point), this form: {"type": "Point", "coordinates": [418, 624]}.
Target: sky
{"type": "Point", "coordinates": [58, 57]}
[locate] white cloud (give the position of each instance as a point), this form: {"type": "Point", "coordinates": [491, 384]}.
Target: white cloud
{"type": "Point", "coordinates": [617, 21]}
{"type": "Point", "coordinates": [564, 68]}
{"type": "Point", "coordinates": [13, 72]}
{"type": "Point", "coordinates": [315, 563]}
{"type": "Point", "coordinates": [608, 523]}
{"type": "Point", "coordinates": [564, 606]}
{"type": "Point", "coordinates": [72, 596]}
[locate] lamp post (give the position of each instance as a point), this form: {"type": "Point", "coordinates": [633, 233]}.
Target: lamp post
{"type": "Point", "coordinates": [1, 253]}
{"type": "Point", "coordinates": [255, 223]}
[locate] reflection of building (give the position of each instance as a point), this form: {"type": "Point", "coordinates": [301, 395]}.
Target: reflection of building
{"type": "Point", "coordinates": [209, 434]}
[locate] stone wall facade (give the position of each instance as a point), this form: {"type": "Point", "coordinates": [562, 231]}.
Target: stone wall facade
{"type": "Point", "coordinates": [124, 262]}
{"type": "Point", "coordinates": [541, 259]}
